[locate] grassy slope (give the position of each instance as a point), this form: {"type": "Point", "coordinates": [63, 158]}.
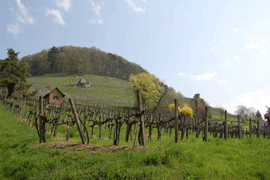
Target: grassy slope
{"type": "Point", "coordinates": [190, 159]}
{"type": "Point", "coordinates": [104, 89]}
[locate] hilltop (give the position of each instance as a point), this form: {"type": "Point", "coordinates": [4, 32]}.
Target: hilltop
{"type": "Point", "coordinates": [80, 60]}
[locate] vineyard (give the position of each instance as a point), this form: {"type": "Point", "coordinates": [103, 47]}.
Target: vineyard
{"type": "Point", "coordinates": [82, 141]}
{"type": "Point", "coordinates": [49, 117]}
{"type": "Point", "coordinates": [103, 90]}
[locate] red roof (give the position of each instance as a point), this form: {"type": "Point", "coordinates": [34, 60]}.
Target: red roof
{"type": "Point", "coordinates": [52, 90]}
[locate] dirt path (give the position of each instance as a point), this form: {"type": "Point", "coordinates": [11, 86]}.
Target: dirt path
{"type": "Point", "coordinates": [91, 148]}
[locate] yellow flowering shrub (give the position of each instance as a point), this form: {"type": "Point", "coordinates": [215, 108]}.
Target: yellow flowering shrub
{"type": "Point", "coordinates": [187, 111]}
{"type": "Point", "coordinates": [171, 106]}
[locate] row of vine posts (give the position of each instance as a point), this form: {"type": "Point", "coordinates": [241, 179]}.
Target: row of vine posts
{"type": "Point", "coordinates": [48, 117]}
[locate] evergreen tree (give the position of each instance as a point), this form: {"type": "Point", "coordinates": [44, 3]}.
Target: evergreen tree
{"type": "Point", "coordinates": [52, 55]}
{"type": "Point", "coordinates": [13, 74]}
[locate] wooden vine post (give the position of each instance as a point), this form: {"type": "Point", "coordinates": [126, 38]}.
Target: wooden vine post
{"type": "Point", "coordinates": [128, 126]}
{"type": "Point", "coordinates": [258, 130]}
{"type": "Point", "coordinates": [77, 121]}
{"type": "Point", "coordinates": [42, 138]}
{"type": "Point", "coordinates": [226, 126]}
{"type": "Point", "coordinates": [159, 127]}
{"type": "Point", "coordinates": [206, 125]}
{"type": "Point", "coordinates": [176, 121]}
{"type": "Point", "coordinates": [150, 126]}
{"type": "Point", "coordinates": [58, 119]}
{"type": "Point", "coordinates": [239, 127]}
{"type": "Point", "coordinates": [250, 128]}
{"type": "Point", "coordinates": [141, 118]}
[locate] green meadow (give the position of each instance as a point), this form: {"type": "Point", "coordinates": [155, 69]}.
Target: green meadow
{"type": "Point", "coordinates": [189, 159]}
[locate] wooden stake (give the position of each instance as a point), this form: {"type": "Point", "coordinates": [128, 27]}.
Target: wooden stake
{"type": "Point", "coordinates": [206, 125]}
{"type": "Point", "coordinates": [159, 127]}
{"type": "Point", "coordinates": [250, 128]}
{"type": "Point", "coordinates": [226, 126]}
{"type": "Point", "coordinates": [77, 121]}
{"type": "Point", "coordinates": [141, 117]}
{"type": "Point", "coordinates": [58, 120]}
{"type": "Point", "coordinates": [176, 121]}
{"type": "Point", "coordinates": [258, 129]}
{"type": "Point", "coordinates": [41, 128]}
{"type": "Point", "coordinates": [150, 127]}
{"type": "Point", "coordinates": [239, 127]}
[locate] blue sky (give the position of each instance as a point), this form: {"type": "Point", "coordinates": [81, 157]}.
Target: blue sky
{"type": "Point", "coordinates": [219, 49]}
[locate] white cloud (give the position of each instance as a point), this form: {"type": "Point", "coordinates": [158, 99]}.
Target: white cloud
{"type": "Point", "coordinates": [100, 21]}
{"type": "Point", "coordinates": [222, 81]}
{"type": "Point", "coordinates": [20, 19]}
{"type": "Point", "coordinates": [136, 9]}
{"type": "Point", "coordinates": [212, 48]}
{"type": "Point", "coordinates": [26, 18]}
{"type": "Point", "coordinates": [96, 7]}
{"type": "Point", "coordinates": [92, 21]}
{"type": "Point", "coordinates": [65, 4]}
{"type": "Point", "coordinates": [257, 99]}
{"type": "Point", "coordinates": [252, 45]}
{"type": "Point", "coordinates": [237, 30]}
{"type": "Point", "coordinates": [57, 16]}
{"type": "Point", "coordinates": [181, 74]}
{"type": "Point", "coordinates": [206, 76]}
{"type": "Point", "coordinates": [263, 52]}
{"type": "Point", "coordinates": [14, 29]}
{"type": "Point", "coordinates": [236, 57]}
{"type": "Point", "coordinates": [225, 63]}
{"type": "Point", "coordinates": [263, 40]}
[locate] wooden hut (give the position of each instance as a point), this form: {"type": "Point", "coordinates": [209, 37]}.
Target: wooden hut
{"type": "Point", "coordinates": [55, 96]}
{"type": "Point", "coordinates": [83, 83]}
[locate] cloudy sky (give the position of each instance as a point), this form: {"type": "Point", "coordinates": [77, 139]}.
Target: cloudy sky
{"type": "Point", "coordinates": [219, 49]}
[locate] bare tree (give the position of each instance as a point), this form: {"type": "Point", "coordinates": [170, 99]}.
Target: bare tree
{"type": "Point", "coordinates": [243, 112]}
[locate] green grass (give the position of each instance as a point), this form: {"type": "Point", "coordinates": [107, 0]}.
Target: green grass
{"type": "Point", "coordinates": [218, 117]}
{"type": "Point", "coordinates": [188, 159]}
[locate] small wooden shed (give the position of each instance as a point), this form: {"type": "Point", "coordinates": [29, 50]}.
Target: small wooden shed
{"type": "Point", "coordinates": [55, 96]}
{"type": "Point", "coordinates": [83, 83]}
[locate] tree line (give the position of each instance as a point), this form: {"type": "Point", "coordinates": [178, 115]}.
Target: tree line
{"type": "Point", "coordinates": [80, 60]}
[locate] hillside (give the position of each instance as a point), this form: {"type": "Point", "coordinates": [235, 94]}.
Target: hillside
{"type": "Point", "coordinates": [80, 60]}
{"type": "Point", "coordinates": [64, 66]}
{"type": "Point", "coordinates": [103, 90]}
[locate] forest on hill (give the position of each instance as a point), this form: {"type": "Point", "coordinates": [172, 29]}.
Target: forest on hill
{"type": "Point", "coordinates": [80, 60]}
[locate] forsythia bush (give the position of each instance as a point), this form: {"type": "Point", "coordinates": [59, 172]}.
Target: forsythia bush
{"type": "Point", "coordinates": [187, 111]}
{"type": "Point", "coordinates": [171, 106]}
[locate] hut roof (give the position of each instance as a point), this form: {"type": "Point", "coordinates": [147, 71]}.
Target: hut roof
{"type": "Point", "coordinates": [83, 80]}
{"type": "Point", "coordinates": [52, 90]}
